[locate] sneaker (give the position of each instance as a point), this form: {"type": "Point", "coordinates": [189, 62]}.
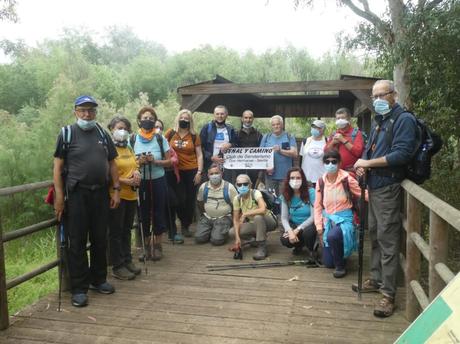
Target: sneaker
{"type": "Point", "coordinates": [79, 300]}
{"type": "Point", "coordinates": [178, 239]}
{"type": "Point", "coordinates": [122, 273]}
{"type": "Point", "coordinates": [369, 286]}
{"type": "Point", "coordinates": [385, 308]}
{"type": "Point", "coordinates": [186, 232]}
{"type": "Point", "coordinates": [157, 252]}
{"type": "Point", "coordinates": [133, 268]}
{"type": "Point", "coordinates": [339, 273]}
{"type": "Point", "coordinates": [103, 288]}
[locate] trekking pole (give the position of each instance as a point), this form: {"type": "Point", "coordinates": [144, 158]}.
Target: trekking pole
{"type": "Point", "coordinates": [362, 218]}
{"type": "Point", "coordinates": [140, 219]}
{"type": "Point", "coordinates": [259, 265]}
{"type": "Point", "coordinates": [151, 209]}
{"type": "Point", "coordinates": [61, 261]}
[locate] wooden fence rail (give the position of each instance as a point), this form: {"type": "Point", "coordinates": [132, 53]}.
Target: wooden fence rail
{"type": "Point", "coordinates": [19, 233]}
{"type": "Point", "coordinates": [441, 215]}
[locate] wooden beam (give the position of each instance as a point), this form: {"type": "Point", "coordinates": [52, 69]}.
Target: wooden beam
{"type": "Point", "coordinates": [279, 87]}
{"type": "Point", "coordinates": [439, 245]}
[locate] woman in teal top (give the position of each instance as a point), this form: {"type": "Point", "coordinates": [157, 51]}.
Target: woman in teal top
{"type": "Point", "coordinates": [297, 212]}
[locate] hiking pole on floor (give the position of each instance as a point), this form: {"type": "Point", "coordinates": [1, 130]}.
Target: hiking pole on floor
{"type": "Point", "coordinates": [307, 263]}
{"type": "Point", "coordinates": [362, 225]}
{"type": "Point", "coordinates": [62, 243]}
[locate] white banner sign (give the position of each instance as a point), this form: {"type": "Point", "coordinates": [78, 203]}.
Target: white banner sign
{"type": "Point", "coordinates": [249, 158]}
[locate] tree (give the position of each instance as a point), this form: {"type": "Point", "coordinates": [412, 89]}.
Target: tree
{"type": "Point", "coordinates": [8, 10]}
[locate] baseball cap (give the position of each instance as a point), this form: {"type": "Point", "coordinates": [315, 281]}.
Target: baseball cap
{"type": "Point", "coordinates": [85, 99]}
{"type": "Point", "coordinates": [319, 123]}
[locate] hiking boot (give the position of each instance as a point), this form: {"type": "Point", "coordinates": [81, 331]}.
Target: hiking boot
{"type": "Point", "coordinates": [297, 251]}
{"type": "Point", "coordinates": [261, 252]}
{"type": "Point", "coordinates": [178, 239]}
{"type": "Point", "coordinates": [157, 252]}
{"type": "Point", "coordinates": [148, 254]}
{"type": "Point", "coordinates": [133, 268]}
{"type": "Point", "coordinates": [186, 232]}
{"type": "Point", "coordinates": [385, 308]}
{"type": "Point", "coordinates": [122, 273]}
{"type": "Point", "coordinates": [103, 288]}
{"type": "Point", "coordinates": [339, 273]}
{"type": "Point", "coordinates": [79, 300]}
{"type": "Point", "coordinates": [369, 286]}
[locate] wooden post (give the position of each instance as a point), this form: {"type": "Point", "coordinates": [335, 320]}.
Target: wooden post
{"type": "Point", "coordinates": [438, 252]}
{"type": "Point", "coordinates": [4, 317]}
{"type": "Point", "coordinates": [413, 256]}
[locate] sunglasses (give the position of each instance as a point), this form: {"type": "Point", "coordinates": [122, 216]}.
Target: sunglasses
{"type": "Point", "coordinates": [242, 184]}
{"type": "Point", "coordinates": [331, 161]}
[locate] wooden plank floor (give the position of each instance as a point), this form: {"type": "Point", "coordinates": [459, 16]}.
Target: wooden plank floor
{"type": "Point", "coordinates": [179, 301]}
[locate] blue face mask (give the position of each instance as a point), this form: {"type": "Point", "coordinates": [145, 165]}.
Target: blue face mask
{"type": "Point", "coordinates": [315, 132]}
{"type": "Point", "coordinates": [86, 125]}
{"type": "Point", "coordinates": [330, 168]}
{"type": "Point", "coordinates": [381, 106]}
{"type": "Point", "coordinates": [243, 189]}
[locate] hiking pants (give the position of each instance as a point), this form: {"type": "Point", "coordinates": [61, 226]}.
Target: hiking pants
{"type": "Point", "coordinates": [153, 200]}
{"type": "Point", "coordinates": [258, 228]}
{"type": "Point", "coordinates": [120, 224]}
{"type": "Point", "coordinates": [307, 237]}
{"type": "Point", "coordinates": [384, 231]}
{"type": "Point", "coordinates": [213, 230]}
{"type": "Point", "coordinates": [333, 255]}
{"type": "Point", "coordinates": [86, 215]}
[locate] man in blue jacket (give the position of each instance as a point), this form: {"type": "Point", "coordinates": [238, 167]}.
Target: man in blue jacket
{"type": "Point", "coordinates": [216, 138]}
{"type": "Point", "coordinates": [385, 157]}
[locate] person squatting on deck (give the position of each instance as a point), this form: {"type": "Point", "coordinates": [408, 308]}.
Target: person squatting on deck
{"type": "Point", "coordinates": [297, 215]}
{"type": "Point", "coordinates": [251, 218]}
{"type": "Point", "coordinates": [152, 152]}
{"type": "Point", "coordinates": [84, 165]}
{"type": "Point", "coordinates": [121, 219]}
{"type": "Point", "coordinates": [385, 162]}
{"type": "Point", "coordinates": [334, 214]}
{"type": "Point", "coordinates": [215, 205]}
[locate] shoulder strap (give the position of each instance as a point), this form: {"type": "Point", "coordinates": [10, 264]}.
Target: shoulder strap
{"type": "Point", "coordinates": [160, 143]}
{"type": "Point", "coordinates": [171, 134]}
{"type": "Point", "coordinates": [226, 193]}
{"type": "Point", "coordinates": [205, 192]}
{"type": "Point", "coordinates": [321, 189]}
{"type": "Point", "coordinates": [132, 140]}
{"type": "Point", "coordinates": [66, 139]}
{"type": "Point", "coordinates": [102, 134]}
{"type": "Point", "coordinates": [392, 120]}
{"type": "Point", "coordinates": [346, 188]}
{"type": "Point", "coordinates": [353, 134]}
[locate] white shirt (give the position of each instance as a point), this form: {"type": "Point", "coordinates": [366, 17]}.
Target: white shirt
{"type": "Point", "coordinates": [312, 159]}
{"type": "Point", "coordinates": [221, 138]}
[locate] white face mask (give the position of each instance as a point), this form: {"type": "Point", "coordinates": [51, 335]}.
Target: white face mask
{"type": "Point", "coordinates": [295, 184]}
{"type": "Point", "coordinates": [341, 123]}
{"type": "Point", "coordinates": [120, 135]}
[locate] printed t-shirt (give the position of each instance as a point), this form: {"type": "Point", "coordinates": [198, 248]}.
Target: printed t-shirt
{"type": "Point", "coordinates": [221, 138]}
{"type": "Point", "coordinates": [312, 159]}
{"type": "Point", "coordinates": [185, 149]}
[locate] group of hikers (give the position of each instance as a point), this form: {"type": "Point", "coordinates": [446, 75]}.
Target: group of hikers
{"type": "Point", "coordinates": [102, 179]}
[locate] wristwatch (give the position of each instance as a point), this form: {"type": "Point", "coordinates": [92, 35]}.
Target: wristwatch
{"type": "Point", "coordinates": [118, 187]}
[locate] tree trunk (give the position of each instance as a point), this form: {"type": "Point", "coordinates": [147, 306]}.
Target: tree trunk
{"type": "Point", "coordinates": [402, 83]}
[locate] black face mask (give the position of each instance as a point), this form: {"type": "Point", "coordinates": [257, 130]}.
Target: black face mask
{"type": "Point", "coordinates": [184, 124]}
{"type": "Point", "coordinates": [147, 124]}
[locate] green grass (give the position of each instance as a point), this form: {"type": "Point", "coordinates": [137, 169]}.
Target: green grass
{"type": "Point", "coordinates": [24, 255]}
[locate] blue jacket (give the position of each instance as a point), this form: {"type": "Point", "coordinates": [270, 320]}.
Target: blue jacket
{"type": "Point", "coordinates": [398, 153]}
{"type": "Point", "coordinates": [208, 135]}
{"type": "Point", "coordinates": [344, 219]}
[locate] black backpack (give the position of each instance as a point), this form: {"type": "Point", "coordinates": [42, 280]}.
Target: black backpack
{"type": "Point", "coordinates": [419, 168]}
{"type": "Point", "coordinates": [270, 200]}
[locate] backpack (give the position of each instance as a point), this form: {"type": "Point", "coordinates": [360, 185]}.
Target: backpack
{"type": "Point", "coordinates": [67, 137]}
{"type": "Point", "coordinates": [350, 196]}
{"type": "Point", "coordinates": [226, 193]}
{"type": "Point", "coordinates": [419, 168]}
{"type": "Point", "coordinates": [270, 200]}
{"type": "Point", "coordinates": [132, 142]}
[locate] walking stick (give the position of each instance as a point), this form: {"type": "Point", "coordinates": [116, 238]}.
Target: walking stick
{"type": "Point", "coordinates": [139, 216]}
{"type": "Point", "coordinates": [61, 261]}
{"type": "Point", "coordinates": [151, 208]}
{"type": "Point", "coordinates": [362, 219]}
{"type": "Point", "coordinates": [307, 263]}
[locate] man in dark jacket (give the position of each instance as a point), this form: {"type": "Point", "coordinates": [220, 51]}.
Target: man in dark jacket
{"type": "Point", "coordinates": [248, 136]}
{"type": "Point", "coordinates": [216, 137]}
{"type": "Point", "coordinates": [385, 158]}
{"type": "Point", "coordinates": [84, 165]}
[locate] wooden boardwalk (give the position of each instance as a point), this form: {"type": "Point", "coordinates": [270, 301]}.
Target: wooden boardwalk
{"type": "Point", "coordinates": [179, 301]}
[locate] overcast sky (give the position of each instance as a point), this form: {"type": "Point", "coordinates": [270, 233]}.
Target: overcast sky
{"type": "Point", "coordinates": [183, 25]}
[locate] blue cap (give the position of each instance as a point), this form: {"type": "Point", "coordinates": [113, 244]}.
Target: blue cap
{"type": "Point", "coordinates": [85, 99]}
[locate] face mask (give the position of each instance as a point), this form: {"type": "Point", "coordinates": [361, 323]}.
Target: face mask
{"type": "Point", "coordinates": [243, 189]}
{"type": "Point", "coordinates": [330, 168]}
{"type": "Point", "coordinates": [184, 124]}
{"type": "Point", "coordinates": [86, 125]}
{"type": "Point", "coordinates": [147, 124]}
{"type": "Point", "coordinates": [341, 123]}
{"type": "Point", "coordinates": [315, 132]}
{"type": "Point", "coordinates": [215, 179]}
{"type": "Point", "coordinates": [295, 184]}
{"type": "Point", "coordinates": [381, 106]}
{"type": "Point", "coordinates": [120, 135]}
{"type": "Point", "coordinates": [247, 126]}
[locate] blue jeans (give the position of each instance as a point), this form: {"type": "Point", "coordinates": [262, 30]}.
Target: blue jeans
{"type": "Point", "coordinates": [333, 255]}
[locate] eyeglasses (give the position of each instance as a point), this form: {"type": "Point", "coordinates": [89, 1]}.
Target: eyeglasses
{"type": "Point", "coordinates": [331, 161]}
{"type": "Point", "coordinates": [381, 95]}
{"type": "Point", "coordinates": [242, 184]}
{"type": "Point", "coordinates": [89, 111]}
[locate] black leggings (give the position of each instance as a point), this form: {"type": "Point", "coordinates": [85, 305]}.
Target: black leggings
{"type": "Point", "coordinates": [307, 237]}
{"type": "Point", "coordinates": [152, 195]}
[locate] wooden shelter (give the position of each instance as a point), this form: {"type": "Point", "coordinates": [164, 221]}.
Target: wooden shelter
{"type": "Point", "coordinates": [288, 99]}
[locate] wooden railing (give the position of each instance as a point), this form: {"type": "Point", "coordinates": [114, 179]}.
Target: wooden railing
{"type": "Point", "coordinates": [441, 216]}
{"type": "Point", "coordinates": [15, 234]}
